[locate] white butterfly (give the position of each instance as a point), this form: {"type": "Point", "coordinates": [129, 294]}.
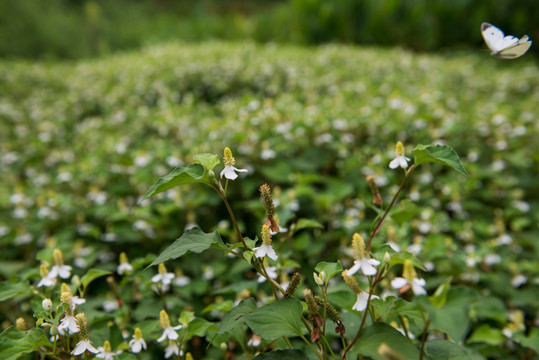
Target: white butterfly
{"type": "Point", "coordinates": [505, 47]}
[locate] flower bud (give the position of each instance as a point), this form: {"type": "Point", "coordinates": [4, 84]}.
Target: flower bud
{"type": "Point", "coordinates": [20, 324]}
{"type": "Point", "coordinates": [46, 304]}
{"type": "Point", "coordinates": [376, 198]}
{"type": "Point", "coordinates": [320, 278]}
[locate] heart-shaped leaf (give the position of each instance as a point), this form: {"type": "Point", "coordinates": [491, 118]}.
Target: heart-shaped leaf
{"type": "Point", "coordinates": [281, 318]}
{"type": "Point", "coordinates": [193, 240]}
{"type": "Point", "coordinates": [194, 173]}
{"type": "Point", "coordinates": [209, 161]}
{"type": "Point", "coordinates": [442, 154]}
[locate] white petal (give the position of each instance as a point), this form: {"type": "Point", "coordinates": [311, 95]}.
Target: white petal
{"type": "Point", "coordinates": [367, 268]}
{"type": "Point", "coordinates": [361, 302]}
{"type": "Point", "coordinates": [240, 170]}
{"type": "Point", "coordinates": [398, 282]}
{"type": "Point", "coordinates": [260, 251]}
{"type": "Point", "coordinates": [229, 173]}
{"type": "Point", "coordinates": [402, 162]}
{"type": "Point", "coordinates": [394, 163]}
{"type": "Point", "coordinates": [271, 253]}
{"type": "Point", "coordinates": [417, 286]}
{"type": "Point", "coordinates": [354, 268]}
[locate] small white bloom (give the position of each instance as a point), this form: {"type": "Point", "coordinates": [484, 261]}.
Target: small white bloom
{"type": "Point", "coordinates": [170, 333]}
{"type": "Point", "coordinates": [136, 345]}
{"type": "Point", "coordinates": [367, 267]}
{"type": "Point", "coordinates": [124, 267]}
{"type": "Point", "coordinates": [75, 300]}
{"type": "Point", "coordinates": [82, 346]}
{"type": "Point", "coordinates": [107, 355]}
{"type": "Point", "coordinates": [272, 273]}
{"type": "Point", "coordinates": [361, 301]}
{"type": "Point", "coordinates": [172, 349]}
{"type": "Point", "coordinates": [63, 271]}
{"type": "Point", "coordinates": [417, 285]}
{"type": "Point", "coordinates": [519, 280]}
{"type": "Point", "coordinates": [401, 161]}
{"type": "Point", "coordinates": [254, 341]}
{"type": "Point", "coordinates": [264, 250]}
{"type": "Point", "coordinates": [47, 281]}
{"type": "Point", "coordinates": [165, 278]}
{"type": "Point", "coordinates": [70, 324]}
{"type": "Point", "coordinates": [230, 172]}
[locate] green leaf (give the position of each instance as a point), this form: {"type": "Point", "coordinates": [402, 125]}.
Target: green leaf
{"type": "Point", "coordinates": [9, 290]}
{"type": "Point", "coordinates": [448, 350]}
{"type": "Point", "coordinates": [289, 354]}
{"type": "Point", "coordinates": [235, 317]}
{"type": "Point", "coordinates": [14, 343]}
{"type": "Point", "coordinates": [373, 336]}
{"type": "Point", "coordinates": [307, 223]}
{"type": "Point", "coordinates": [209, 161]}
{"type": "Point", "coordinates": [281, 318]}
{"type": "Point", "coordinates": [532, 340]}
{"type": "Point", "coordinates": [194, 173]}
{"type": "Point", "coordinates": [330, 268]}
{"type": "Point", "coordinates": [193, 240]}
{"type": "Point", "coordinates": [405, 212]}
{"type": "Point", "coordinates": [199, 327]}
{"type": "Point", "coordinates": [486, 334]}
{"type": "Point", "coordinates": [440, 295]}
{"type": "Point", "coordinates": [401, 257]}
{"type": "Point", "coordinates": [91, 275]}
{"type": "Point", "coordinates": [442, 154]}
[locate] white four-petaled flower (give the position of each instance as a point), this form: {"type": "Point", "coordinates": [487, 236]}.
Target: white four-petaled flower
{"type": "Point", "coordinates": [230, 172]}
{"type": "Point", "coordinates": [170, 333]}
{"type": "Point", "coordinates": [367, 266]}
{"type": "Point", "coordinates": [82, 346]}
{"type": "Point", "coordinates": [361, 301]}
{"type": "Point", "coordinates": [264, 250]}
{"type": "Point", "coordinates": [107, 355]}
{"type": "Point", "coordinates": [401, 161]}
{"type": "Point", "coordinates": [418, 285]}
{"type": "Point", "coordinates": [63, 271]}
{"type": "Point", "coordinates": [70, 324]}
{"type": "Point", "coordinates": [136, 345]}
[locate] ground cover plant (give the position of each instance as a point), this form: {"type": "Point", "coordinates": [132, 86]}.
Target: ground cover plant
{"type": "Point", "coordinates": [81, 143]}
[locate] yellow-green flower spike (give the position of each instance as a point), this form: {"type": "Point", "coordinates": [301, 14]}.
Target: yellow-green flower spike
{"type": "Point", "coordinates": [138, 334]}
{"type": "Point", "coordinates": [43, 270]}
{"type": "Point", "coordinates": [399, 149]}
{"type": "Point", "coordinates": [123, 258]}
{"type": "Point", "coordinates": [162, 269]}
{"type": "Point", "coordinates": [266, 235]}
{"type": "Point", "coordinates": [352, 282]}
{"type": "Point", "coordinates": [83, 325]}
{"type": "Point", "coordinates": [58, 257]}
{"type": "Point", "coordinates": [408, 271]}
{"type": "Point", "coordinates": [228, 159]}
{"type": "Point", "coordinates": [164, 320]}
{"type": "Point", "coordinates": [358, 245]}
{"type": "Point", "coordinates": [106, 346]}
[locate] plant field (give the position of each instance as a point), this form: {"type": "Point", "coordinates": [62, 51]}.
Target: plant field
{"type": "Point", "coordinates": [82, 142]}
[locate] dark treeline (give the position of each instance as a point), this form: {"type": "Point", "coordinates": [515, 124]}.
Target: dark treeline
{"type": "Point", "coordinates": [69, 29]}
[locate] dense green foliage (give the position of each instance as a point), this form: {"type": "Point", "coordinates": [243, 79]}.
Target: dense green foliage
{"type": "Point", "coordinates": [80, 143]}
{"type": "Point", "coordinates": [37, 29]}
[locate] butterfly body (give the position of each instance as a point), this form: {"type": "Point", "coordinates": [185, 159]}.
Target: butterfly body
{"type": "Point", "coordinates": [502, 46]}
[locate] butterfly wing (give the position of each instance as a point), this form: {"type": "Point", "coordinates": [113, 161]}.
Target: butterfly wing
{"type": "Point", "coordinates": [517, 50]}
{"type": "Point", "coordinates": [505, 47]}
{"type": "Point", "coordinates": [493, 36]}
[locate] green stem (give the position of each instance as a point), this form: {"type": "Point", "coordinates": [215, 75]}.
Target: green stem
{"type": "Point", "coordinates": [265, 274]}
{"type": "Point", "coordinates": [380, 223]}
{"type": "Point", "coordinates": [316, 352]}
{"type": "Point", "coordinates": [232, 217]}
{"type": "Point", "coordinates": [424, 339]}
{"type": "Point", "coordinates": [364, 318]}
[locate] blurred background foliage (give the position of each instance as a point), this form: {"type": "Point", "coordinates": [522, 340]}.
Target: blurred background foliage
{"type": "Point", "coordinates": [70, 29]}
